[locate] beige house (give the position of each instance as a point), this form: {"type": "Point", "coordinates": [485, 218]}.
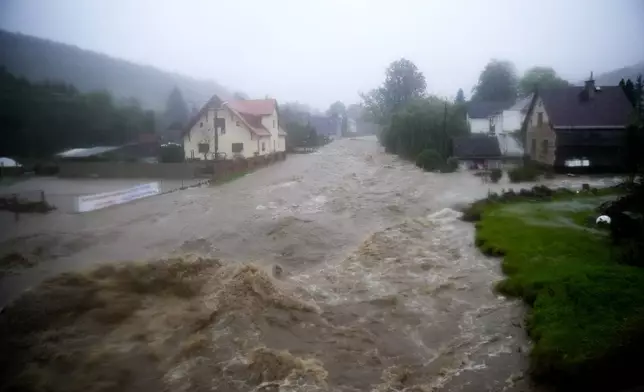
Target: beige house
{"type": "Point", "coordinates": [540, 137]}
{"type": "Point", "coordinates": [245, 128]}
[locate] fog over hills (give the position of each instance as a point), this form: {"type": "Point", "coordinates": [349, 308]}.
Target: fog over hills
{"type": "Point", "coordinates": [39, 59]}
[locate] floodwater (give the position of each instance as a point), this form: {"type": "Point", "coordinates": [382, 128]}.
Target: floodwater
{"type": "Point", "coordinates": [369, 244]}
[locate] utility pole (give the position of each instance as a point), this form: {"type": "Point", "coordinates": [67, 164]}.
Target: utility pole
{"type": "Point", "coordinates": [216, 136]}
{"type": "Point", "coordinates": [445, 138]}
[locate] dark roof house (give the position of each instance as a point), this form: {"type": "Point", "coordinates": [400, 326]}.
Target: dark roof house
{"type": "Point", "coordinates": [574, 107]}
{"type": "Point", "coordinates": [578, 123]}
{"type": "Point", "coordinates": [486, 109]}
{"type": "Point", "coordinates": [476, 146]}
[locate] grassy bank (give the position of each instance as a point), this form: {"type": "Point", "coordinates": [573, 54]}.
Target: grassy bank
{"type": "Point", "coordinates": [587, 317]}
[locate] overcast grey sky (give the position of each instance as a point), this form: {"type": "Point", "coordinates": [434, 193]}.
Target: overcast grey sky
{"type": "Point", "coordinates": [317, 52]}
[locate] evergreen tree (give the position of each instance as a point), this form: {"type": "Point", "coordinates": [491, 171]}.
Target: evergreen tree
{"type": "Point", "coordinates": [460, 97]}
{"type": "Point", "coordinates": [176, 111]}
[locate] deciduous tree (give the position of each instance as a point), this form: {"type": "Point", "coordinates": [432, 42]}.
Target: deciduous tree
{"type": "Point", "coordinates": [497, 82]}
{"type": "Point", "coordinates": [539, 77]}
{"type": "Point", "coordinates": [403, 83]}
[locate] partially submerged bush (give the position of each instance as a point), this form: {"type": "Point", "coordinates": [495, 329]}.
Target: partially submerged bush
{"type": "Point", "coordinates": [495, 175]}
{"type": "Point", "coordinates": [523, 174]}
{"type": "Point", "coordinates": [474, 212]}
{"type": "Point", "coordinates": [451, 165]}
{"type": "Point", "coordinates": [429, 160]}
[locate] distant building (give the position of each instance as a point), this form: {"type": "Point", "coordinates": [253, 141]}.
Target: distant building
{"type": "Point", "coordinates": [485, 151]}
{"type": "Point", "coordinates": [8, 162]}
{"type": "Point", "coordinates": [326, 126]}
{"type": "Point", "coordinates": [352, 126]}
{"type": "Point", "coordinates": [479, 114]}
{"type": "Point", "coordinates": [510, 120]}
{"type": "Point", "coordinates": [146, 148]}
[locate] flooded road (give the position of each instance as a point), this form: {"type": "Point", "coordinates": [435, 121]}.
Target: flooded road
{"type": "Point", "coordinates": [390, 292]}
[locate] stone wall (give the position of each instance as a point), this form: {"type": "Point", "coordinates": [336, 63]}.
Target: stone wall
{"type": "Point", "coordinates": [184, 170]}
{"type": "Point", "coordinates": [541, 139]}
{"type": "Point", "coordinates": [223, 169]}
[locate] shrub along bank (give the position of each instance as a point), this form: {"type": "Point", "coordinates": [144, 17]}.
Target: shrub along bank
{"type": "Point", "coordinates": [587, 310]}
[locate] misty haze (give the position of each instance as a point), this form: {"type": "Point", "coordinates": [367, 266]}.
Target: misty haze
{"type": "Point", "coordinates": [321, 195]}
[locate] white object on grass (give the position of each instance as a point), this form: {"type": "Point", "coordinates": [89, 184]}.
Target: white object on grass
{"type": "Point", "coordinates": [603, 219]}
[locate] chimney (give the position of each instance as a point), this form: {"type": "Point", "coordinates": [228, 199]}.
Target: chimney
{"type": "Point", "coordinates": [589, 87]}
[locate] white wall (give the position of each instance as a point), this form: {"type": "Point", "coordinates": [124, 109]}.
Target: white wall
{"type": "Point", "coordinates": [479, 125]}
{"type": "Point", "coordinates": [512, 120]}
{"type": "Point", "coordinates": [201, 132]}
{"type": "Point", "coordinates": [281, 144]}
{"type": "Point", "coordinates": [351, 126]}
{"type": "Point", "coordinates": [235, 132]}
{"type": "Point", "coordinates": [271, 123]}
{"type": "Point", "coordinates": [496, 123]}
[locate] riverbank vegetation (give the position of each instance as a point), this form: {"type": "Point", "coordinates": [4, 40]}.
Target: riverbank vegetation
{"type": "Point", "coordinates": [587, 306]}
{"type": "Point", "coordinates": [415, 125]}
{"type": "Point", "coordinates": [303, 137]}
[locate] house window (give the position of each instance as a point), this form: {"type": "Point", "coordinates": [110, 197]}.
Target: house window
{"type": "Point", "coordinates": [533, 148]}
{"type": "Point", "coordinates": [544, 147]}
{"type": "Point", "coordinates": [273, 123]}
{"type": "Point", "coordinates": [263, 146]}
{"type": "Point", "coordinates": [237, 147]}
{"type": "Point", "coordinates": [540, 119]}
{"type": "Point", "coordinates": [192, 154]}
{"type": "Point", "coordinates": [201, 124]}
{"type": "Point", "coordinates": [203, 148]}
{"type": "Point", "coordinates": [237, 123]}
{"type": "Point", "coordinates": [274, 145]}
{"type": "Point", "coordinates": [221, 125]}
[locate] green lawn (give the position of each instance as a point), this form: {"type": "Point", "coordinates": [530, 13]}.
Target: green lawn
{"type": "Point", "coordinates": [587, 318]}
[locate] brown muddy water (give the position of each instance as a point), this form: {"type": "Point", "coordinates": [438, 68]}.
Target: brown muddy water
{"type": "Point", "coordinates": [342, 270]}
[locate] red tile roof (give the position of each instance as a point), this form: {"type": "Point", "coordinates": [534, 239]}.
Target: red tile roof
{"type": "Point", "coordinates": [249, 111]}
{"type": "Point", "coordinates": [256, 107]}
{"type": "Point", "coordinates": [255, 123]}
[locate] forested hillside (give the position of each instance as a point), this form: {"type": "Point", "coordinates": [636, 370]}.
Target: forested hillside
{"type": "Point", "coordinates": [39, 60]}
{"type": "Point", "coordinates": [612, 78]}
{"type": "Point", "coordinates": [40, 119]}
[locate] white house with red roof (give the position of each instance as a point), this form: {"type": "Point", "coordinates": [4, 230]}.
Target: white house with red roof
{"type": "Point", "coordinates": [245, 128]}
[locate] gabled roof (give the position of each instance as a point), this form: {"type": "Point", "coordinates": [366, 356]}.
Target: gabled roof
{"type": "Point", "coordinates": [485, 109]}
{"type": "Point", "coordinates": [86, 152]}
{"type": "Point", "coordinates": [213, 102]}
{"type": "Point", "coordinates": [566, 107]}
{"type": "Point", "coordinates": [522, 104]}
{"type": "Point", "coordinates": [509, 145]}
{"type": "Point", "coordinates": [256, 107]}
{"type": "Point", "coordinates": [248, 114]}
{"type": "Point", "coordinates": [253, 122]}
{"type": "Point", "coordinates": [476, 146]}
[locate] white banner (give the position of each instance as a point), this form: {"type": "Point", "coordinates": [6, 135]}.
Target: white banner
{"type": "Point", "coordinates": [103, 200]}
